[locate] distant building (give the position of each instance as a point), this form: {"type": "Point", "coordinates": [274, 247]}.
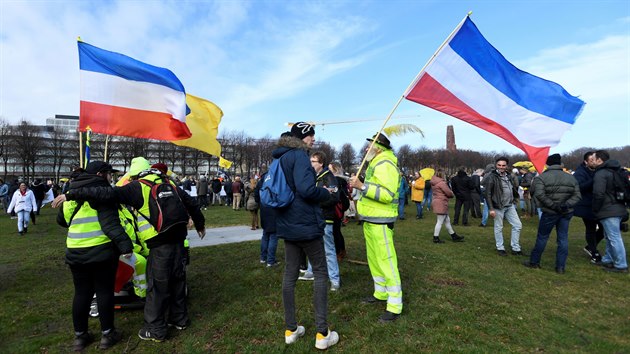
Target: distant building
{"type": "Point", "coordinates": [450, 139]}
{"type": "Point", "coordinates": [63, 123]}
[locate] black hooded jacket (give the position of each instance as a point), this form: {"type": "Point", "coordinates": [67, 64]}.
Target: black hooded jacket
{"type": "Point", "coordinates": [109, 220]}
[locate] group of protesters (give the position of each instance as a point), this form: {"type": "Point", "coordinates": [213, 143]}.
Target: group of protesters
{"type": "Point", "coordinates": [110, 224]}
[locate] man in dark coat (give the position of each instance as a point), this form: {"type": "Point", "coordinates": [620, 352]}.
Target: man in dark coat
{"type": "Point", "coordinates": [462, 186]}
{"type": "Point", "coordinates": [556, 192]}
{"type": "Point", "coordinates": [594, 231]}
{"type": "Point", "coordinates": [610, 212]}
{"type": "Point", "coordinates": [301, 225]}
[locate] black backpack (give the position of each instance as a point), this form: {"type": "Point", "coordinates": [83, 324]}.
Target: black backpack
{"type": "Point", "coordinates": [166, 208]}
{"type": "Point", "coordinates": [621, 186]}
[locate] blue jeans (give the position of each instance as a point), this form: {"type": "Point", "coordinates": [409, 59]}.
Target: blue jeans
{"type": "Point", "coordinates": [546, 224]}
{"type": "Point", "coordinates": [419, 206]}
{"type": "Point", "coordinates": [401, 207]}
{"type": "Point", "coordinates": [331, 256]}
{"type": "Point", "coordinates": [615, 250]}
{"type": "Point", "coordinates": [23, 218]}
{"type": "Point", "coordinates": [268, 245]}
{"type": "Point", "coordinates": [428, 198]}
{"type": "Point", "coordinates": [484, 212]}
{"type": "Point", "coordinates": [511, 216]}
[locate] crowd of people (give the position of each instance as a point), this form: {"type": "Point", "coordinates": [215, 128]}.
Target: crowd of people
{"type": "Point", "coordinates": [109, 223]}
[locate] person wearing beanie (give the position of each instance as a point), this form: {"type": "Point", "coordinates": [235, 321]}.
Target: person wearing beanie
{"type": "Point", "coordinates": [378, 209]}
{"type": "Point", "coordinates": [556, 193]}
{"type": "Point", "coordinates": [301, 225]}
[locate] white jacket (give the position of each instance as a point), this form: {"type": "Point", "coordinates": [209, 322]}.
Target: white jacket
{"type": "Point", "coordinates": [21, 202]}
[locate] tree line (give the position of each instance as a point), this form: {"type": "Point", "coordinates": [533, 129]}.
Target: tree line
{"type": "Point", "coordinates": [33, 151]}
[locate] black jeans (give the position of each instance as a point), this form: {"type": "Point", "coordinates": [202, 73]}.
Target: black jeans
{"type": "Point", "coordinates": [593, 234]}
{"type": "Point", "coordinates": [166, 289]}
{"type": "Point", "coordinates": [314, 249]}
{"type": "Point", "coordinates": [93, 278]}
{"type": "Point", "coordinates": [458, 207]}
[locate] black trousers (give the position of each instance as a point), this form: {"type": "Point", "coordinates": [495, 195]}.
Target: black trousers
{"type": "Point", "coordinates": [93, 278]}
{"type": "Point", "coordinates": [458, 207]}
{"type": "Point", "coordinates": [475, 205]}
{"type": "Point", "coordinates": [340, 242]}
{"type": "Point", "coordinates": [593, 235]}
{"type": "Point", "coordinates": [166, 289]}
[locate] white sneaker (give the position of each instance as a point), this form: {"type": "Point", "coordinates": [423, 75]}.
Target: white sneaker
{"type": "Point", "coordinates": [334, 286]}
{"type": "Point", "coordinates": [307, 276]}
{"type": "Point", "coordinates": [292, 337]}
{"type": "Point", "coordinates": [322, 342]}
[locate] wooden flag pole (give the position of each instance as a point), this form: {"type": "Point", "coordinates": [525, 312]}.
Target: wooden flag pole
{"type": "Point", "coordinates": [105, 154]}
{"type": "Point", "coordinates": [413, 82]}
{"type": "Point", "coordinates": [81, 150]}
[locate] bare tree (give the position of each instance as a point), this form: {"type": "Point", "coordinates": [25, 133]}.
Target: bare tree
{"type": "Point", "coordinates": [347, 156]}
{"type": "Point", "coordinates": [6, 149]}
{"type": "Point", "coordinates": [28, 145]}
{"type": "Point", "coordinates": [405, 158]}
{"type": "Point", "coordinates": [58, 148]}
{"type": "Point", "coordinates": [326, 148]}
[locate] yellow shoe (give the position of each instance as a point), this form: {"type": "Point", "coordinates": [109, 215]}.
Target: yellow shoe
{"type": "Point", "coordinates": [291, 337]}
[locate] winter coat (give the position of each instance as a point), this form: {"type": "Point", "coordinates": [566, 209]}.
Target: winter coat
{"type": "Point", "coordinates": [604, 203]}
{"type": "Point", "coordinates": [250, 202]}
{"type": "Point", "coordinates": [327, 180]}
{"type": "Point", "coordinates": [237, 186]}
{"type": "Point", "coordinates": [462, 185]}
{"type": "Point", "coordinates": [584, 177]}
{"type": "Point", "coordinates": [109, 220]}
{"type": "Point", "coordinates": [202, 188]}
{"type": "Point", "coordinates": [554, 189]}
{"type": "Point", "coordinates": [131, 194]}
{"type": "Point", "coordinates": [441, 194]}
{"type": "Point", "coordinates": [303, 219]}
{"type": "Point", "coordinates": [39, 190]}
{"type": "Point", "coordinates": [417, 190]}
{"type": "Point", "coordinates": [267, 215]}
{"type": "Point", "coordinates": [21, 202]}
{"type": "Point", "coordinates": [216, 186]}
{"type": "Point", "coordinates": [494, 191]}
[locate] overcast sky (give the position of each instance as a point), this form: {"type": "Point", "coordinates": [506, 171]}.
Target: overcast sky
{"type": "Point", "coordinates": [266, 63]}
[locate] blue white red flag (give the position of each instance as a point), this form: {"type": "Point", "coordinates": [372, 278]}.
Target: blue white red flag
{"type": "Point", "coordinates": [124, 96]}
{"type": "Point", "coordinates": [470, 80]}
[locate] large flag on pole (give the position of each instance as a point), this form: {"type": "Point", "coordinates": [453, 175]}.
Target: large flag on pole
{"type": "Point", "coordinates": [124, 96]}
{"type": "Point", "coordinates": [469, 79]}
{"type": "Point", "coordinates": [203, 122]}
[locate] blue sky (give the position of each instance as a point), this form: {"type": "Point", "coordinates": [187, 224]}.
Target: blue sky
{"type": "Point", "coordinates": [266, 63]}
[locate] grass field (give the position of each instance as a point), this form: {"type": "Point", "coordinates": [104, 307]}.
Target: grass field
{"type": "Point", "coordinates": [458, 297]}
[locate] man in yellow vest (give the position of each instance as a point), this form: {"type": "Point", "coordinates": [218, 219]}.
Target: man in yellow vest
{"type": "Point", "coordinates": [166, 277]}
{"type": "Point", "coordinates": [95, 241]}
{"type": "Point", "coordinates": [378, 208]}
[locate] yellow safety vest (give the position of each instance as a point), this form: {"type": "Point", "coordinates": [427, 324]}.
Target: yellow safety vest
{"type": "Point", "coordinates": [379, 202]}
{"type": "Point", "coordinates": [84, 229]}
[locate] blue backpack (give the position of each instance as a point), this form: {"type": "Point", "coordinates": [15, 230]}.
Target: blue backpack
{"type": "Point", "coordinates": [275, 191]}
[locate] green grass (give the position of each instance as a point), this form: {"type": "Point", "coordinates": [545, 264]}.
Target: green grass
{"type": "Point", "coordinates": [458, 297]}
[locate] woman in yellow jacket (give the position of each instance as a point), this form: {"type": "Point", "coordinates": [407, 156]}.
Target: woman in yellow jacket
{"type": "Point", "coordinates": [417, 193]}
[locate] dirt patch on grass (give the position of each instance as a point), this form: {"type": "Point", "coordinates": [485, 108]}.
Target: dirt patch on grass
{"type": "Point", "coordinates": [447, 282]}
{"type": "Point", "coordinates": [7, 275]}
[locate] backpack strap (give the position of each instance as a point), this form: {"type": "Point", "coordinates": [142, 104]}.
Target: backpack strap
{"type": "Point", "coordinates": [75, 211]}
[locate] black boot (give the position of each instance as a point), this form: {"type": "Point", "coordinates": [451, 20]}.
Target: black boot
{"type": "Point", "coordinates": [456, 237]}
{"type": "Point", "coordinates": [437, 240]}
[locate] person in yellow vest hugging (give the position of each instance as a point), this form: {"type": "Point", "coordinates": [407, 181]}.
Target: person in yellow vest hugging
{"type": "Point", "coordinates": [378, 208]}
{"type": "Point", "coordinates": [164, 234]}
{"type": "Point", "coordinates": [95, 240]}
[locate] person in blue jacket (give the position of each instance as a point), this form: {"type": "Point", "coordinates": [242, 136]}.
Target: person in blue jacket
{"type": "Point", "coordinates": [301, 226]}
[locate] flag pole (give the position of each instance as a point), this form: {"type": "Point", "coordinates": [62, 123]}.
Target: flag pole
{"type": "Point", "coordinates": [80, 150]}
{"type": "Point", "coordinates": [105, 154]}
{"type": "Point", "coordinates": [413, 82]}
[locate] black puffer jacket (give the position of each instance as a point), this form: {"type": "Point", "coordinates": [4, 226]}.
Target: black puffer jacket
{"type": "Point", "coordinates": [554, 189]}
{"type": "Point", "coordinates": [462, 186]}
{"type": "Point", "coordinates": [584, 208]}
{"type": "Point", "coordinates": [303, 219]}
{"type": "Point", "coordinates": [604, 203]}
{"type": "Point", "coordinates": [110, 224]}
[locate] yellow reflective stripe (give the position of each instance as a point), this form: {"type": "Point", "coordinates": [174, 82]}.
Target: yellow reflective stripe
{"type": "Point", "coordinates": [144, 227]}
{"type": "Point", "coordinates": [379, 288]}
{"type": "Point", "coordinates": [84, 220]}
{"type": "Point", "coordinates": [87, 234]}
